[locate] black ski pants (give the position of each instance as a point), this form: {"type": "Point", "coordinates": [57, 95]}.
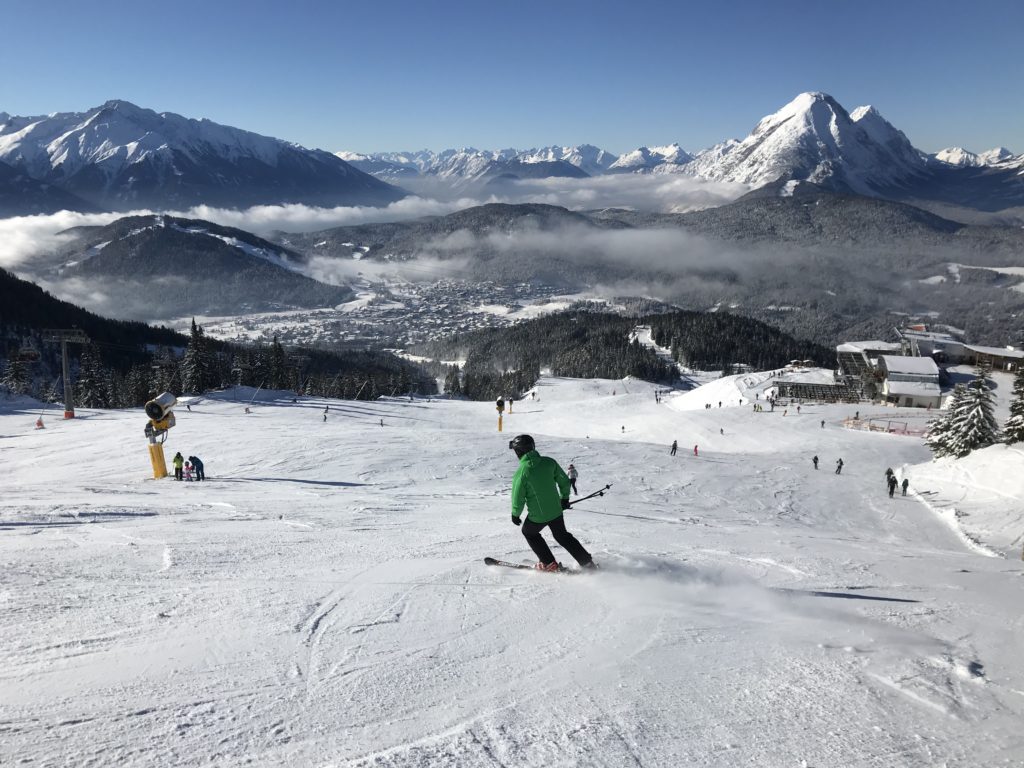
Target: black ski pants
{"type": "Point", "coordinates": [532, 532]}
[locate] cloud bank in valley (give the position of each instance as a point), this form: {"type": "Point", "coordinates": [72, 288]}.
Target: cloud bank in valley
{"type": "Point", "coordinates": [24, 237]}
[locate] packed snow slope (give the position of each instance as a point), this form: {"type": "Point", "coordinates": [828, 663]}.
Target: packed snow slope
{"type": "Point", "coordinates": [321, 600]}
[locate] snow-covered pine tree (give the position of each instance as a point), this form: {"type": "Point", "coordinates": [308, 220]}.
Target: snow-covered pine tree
{"type": "Point", "coordinates": [92, 390]}
{"type": "Point", "coordinates": [938, 436]}
{"type": "Point", "coordinates": [972, 422]}
{"type": "Point", "coordinates": [197, 363]}
{"type": "Point", "coordinates": [452, 386]}
{"type": "Point", "coordinates": [1013, 432]}
{"type": "Point", "coordinates": [16, 379]}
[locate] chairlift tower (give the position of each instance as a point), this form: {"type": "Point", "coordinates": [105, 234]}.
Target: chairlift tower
{"type": "Point", "coordinates": [66, 336]}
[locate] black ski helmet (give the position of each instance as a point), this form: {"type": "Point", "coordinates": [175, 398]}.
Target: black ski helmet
{"type": "Point", "coordinates": [522, 444]}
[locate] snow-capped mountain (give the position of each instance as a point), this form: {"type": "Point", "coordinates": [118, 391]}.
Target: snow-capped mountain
{"type": "Point", "coordinates": [119, 156]}
{"type": "Point", "coordinates": [965, 158]}
{"type": "Point", "coordinates": [590, 159]}
{"type": "Point", "coordinates": [649, 158]}
{"type": "Point", "coordinates": [384, 169]}
{"type": "Point", "coordinates": [814, 139]}
{"type": "Point", "coordinates": [21, 195]}
{"type": "Point", "coordinates": [470, 164]}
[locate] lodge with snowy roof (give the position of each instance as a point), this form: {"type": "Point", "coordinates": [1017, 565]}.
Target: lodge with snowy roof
{"type": "Point", "coordinates": [907, 373]}
{"type": "Point", "coordinates": [910, 381]}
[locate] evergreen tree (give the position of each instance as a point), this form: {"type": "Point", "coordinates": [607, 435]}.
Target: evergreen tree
{"type": "Point", "coordinates": [1013, 432]}
{"type": "Point", "coordinates": [92, 390]}
{"type": "Point", "coordinates": [197, 363]}
{"type": "Point", "coordinates": [16, 379]}
{"type": "Point", "coordinates": [937, 436]}
{"type": "Point", "coordinates": [972, 422]}
{"type": "Point", "coordinates": [277, 375]}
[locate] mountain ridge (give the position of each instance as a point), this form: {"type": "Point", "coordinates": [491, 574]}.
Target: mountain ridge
{"type": "Point", "coordinates": [120, 157]}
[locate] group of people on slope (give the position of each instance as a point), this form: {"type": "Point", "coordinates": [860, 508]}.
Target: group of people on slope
{"type": "Point", "coordinates": [839, 464]}
{"type": "Point", "coordinates": [188, 470]}
{"type": "Point", "coordinates": [675, 447]}
{"type": "Point", "coordinates": [892, 482]}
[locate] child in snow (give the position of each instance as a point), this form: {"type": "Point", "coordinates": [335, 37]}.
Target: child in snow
{"type": "Point", "coordinates": [188, 472]}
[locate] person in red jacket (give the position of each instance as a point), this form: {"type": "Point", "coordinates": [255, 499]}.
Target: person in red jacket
{"type": "Point", "coordinates": [542, 487]}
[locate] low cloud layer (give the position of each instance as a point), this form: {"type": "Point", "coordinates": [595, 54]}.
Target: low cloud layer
{"type": "Point", "coordinates": [25, 237]}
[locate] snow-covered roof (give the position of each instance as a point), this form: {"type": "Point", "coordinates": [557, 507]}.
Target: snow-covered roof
{"type": "Point", "coordinates": [862, 346]}
{"type": "Point", "coordinates": [913, 388]}
{"type": "Point", "coordinates": [1017, 354]}
{"type": "Point", "coordinates": [930, 335]}
{"type": "Point", "coordinates": [923, 366]}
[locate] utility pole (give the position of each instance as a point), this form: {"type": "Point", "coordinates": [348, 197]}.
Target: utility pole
{"type": "Point", "coordinates": [66, 336]}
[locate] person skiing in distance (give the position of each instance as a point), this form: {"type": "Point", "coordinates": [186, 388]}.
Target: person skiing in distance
{"type": "Point", "coordinates": [892, 485]}
{"type": "Point", "coordinates": [695, 450]}
{"type": "Point", "coordinates": [839, 467]}
{"type": "Point", "coordinates": [675, 447]}
{"type": "Point", "coordinates": [815, 460]}
{"type": "Point", "coordinates": [542, 487]}
{"type": "Point", "coordinates": [179, 462]}
{"type": "Point", "coordinates": [822, 423]}
{"type": "Point", "coordinates": [906, 483]}
{"type": "Point", "coordinates": [197, 467]}
{"type": "Point", "coordinates": [888, 475]}
{"type": "Point", "coordinates": [573, 474]}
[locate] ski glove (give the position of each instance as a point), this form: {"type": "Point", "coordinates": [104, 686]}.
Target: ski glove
{"type": "Point", "coordinates": [565, 504]}
{"type": "Point", "coordinates": [515, 520]}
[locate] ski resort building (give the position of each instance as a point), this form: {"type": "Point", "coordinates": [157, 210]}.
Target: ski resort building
{"type": "Point", "coordinates": [999, 358]}
{"type": "Point", "coordinates": [943, 347]}
{"type": "Point", "coordinates": [859, 358]}
{"type": "Point", "coordinates": [910, 381]}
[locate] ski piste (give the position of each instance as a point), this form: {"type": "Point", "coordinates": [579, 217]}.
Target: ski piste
{"type": "Point", "coordinates": [524, 567]}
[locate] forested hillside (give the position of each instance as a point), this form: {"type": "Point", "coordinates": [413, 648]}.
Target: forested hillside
{"type": "Point", "coordinates": [127, 363]}
{"type": "Point", "coordinates": [587, 344]}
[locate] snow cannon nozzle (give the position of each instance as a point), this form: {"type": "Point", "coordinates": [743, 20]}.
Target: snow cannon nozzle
{"type": "Point", "coordinates": [161, 406]}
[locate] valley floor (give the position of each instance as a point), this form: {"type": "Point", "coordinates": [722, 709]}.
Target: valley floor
{"type": "Point", "coordinates": [322, 600]}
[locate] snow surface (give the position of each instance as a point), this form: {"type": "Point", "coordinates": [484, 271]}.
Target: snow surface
{"type": "Point", "coordinates": [321, 599]}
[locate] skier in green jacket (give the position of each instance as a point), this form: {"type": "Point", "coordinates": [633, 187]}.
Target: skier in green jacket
{"type": "Point", "coordinates": [542, 487]}
{"type": "Point", "coordinates": [179, 462]}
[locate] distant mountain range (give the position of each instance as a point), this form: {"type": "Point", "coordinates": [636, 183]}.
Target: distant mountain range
{"type": "Point", "coordinates": [813, 138]}
{"type": "Point", "coordinates": [121, 157]}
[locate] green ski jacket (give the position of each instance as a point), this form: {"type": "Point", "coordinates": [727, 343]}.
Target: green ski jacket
{"type": "Point", "coordinates": [539, 485]}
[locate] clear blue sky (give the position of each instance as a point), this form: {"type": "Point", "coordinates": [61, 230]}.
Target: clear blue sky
{"type": "Point", "coordinates": [382, 75]}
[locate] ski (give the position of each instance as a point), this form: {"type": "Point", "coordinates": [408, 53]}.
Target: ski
{"type": "Point", "coordinates": [524, 567]}
{"type": "Point", "coordinates": [507, 564]}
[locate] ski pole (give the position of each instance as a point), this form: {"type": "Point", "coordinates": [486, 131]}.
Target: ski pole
{"type": "Point", "coordinates": [592, 495]}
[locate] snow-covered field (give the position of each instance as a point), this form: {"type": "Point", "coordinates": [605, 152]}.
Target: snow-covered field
{"type": "Point", "coordinates": [321, 600]}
